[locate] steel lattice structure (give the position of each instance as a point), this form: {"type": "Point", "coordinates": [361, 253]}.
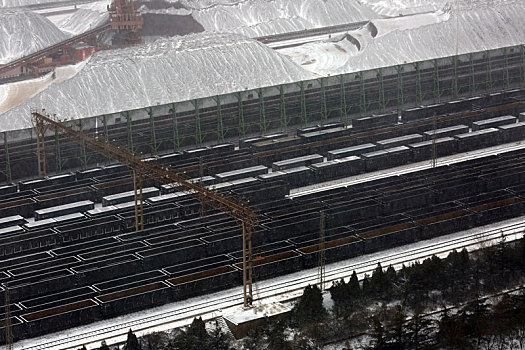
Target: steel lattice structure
{"type": "Point", "coordinates": [166, 175]}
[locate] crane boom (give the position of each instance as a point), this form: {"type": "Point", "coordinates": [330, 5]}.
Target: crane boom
{"type": "Point", "coordinates": [154, 171]}
{"type": "Point", "coordinates": [167, 175]}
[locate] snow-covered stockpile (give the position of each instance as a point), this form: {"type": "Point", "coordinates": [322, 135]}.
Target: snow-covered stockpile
{"type": "Point", "coordinates": [481, 26]}
{"type": "Point", "coordinates": [391, 8]}
{"type": "Point", "coordinates": [87, 16]}
{"type": "Point", "coordinates": [22, 33]}
{"type": "Point", "coordinates": [168, 70]}
{"type": "Point", "coordinates": [16, 3]}
{"type": "Point", "coordinates": [264, 17]}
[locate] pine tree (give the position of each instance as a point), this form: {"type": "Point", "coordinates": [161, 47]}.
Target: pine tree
{"type": "Point", "coordinates": [353, 286]}
{"type": "Point", "coordinates": [418, 331]}
{"type": "Point", "coordinates": [396, 331]}
{"type": "Point", "coordinates": [197, 328]}
{"type": "Point", "coordinates": [219, 340]}
{"type": "Point", "coordinates": [378, 332]}
{"type": "Point", "coordinates": [310, 306]}
{"type": "Point", "coordinates": [378, 281]}
{"type": "Point", "coordinates": [366, 287]}
{"type": "Point", "coordinates": [132, 343]}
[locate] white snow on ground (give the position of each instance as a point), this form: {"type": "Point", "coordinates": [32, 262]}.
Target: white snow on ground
{"type": "Point", "coordinates": [168, 70]}
{"type": "Point", "coordinates": [13, 94]}
{"type": "Point", "coordinates": [87, 16]}
{"type": "Point", "coordinates": [264, 17]}
{"type": "Point", "coordinates": [23, 32]}
{"type": "Point", "coordinates": [407, 39]}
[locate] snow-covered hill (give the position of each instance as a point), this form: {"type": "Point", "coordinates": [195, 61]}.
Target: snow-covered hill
{"type": "Point", "coordinates": [23, 32]}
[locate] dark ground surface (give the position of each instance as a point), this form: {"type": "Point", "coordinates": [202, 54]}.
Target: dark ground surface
{"type": "Point", "coordinates": [165, 24]}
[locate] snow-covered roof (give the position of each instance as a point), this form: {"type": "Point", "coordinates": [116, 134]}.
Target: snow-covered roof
{"type": "Point", "coordinates": [23, 32]}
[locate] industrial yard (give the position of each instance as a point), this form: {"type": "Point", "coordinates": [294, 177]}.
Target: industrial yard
{"type": "Point", "coordinates": [162, 161]}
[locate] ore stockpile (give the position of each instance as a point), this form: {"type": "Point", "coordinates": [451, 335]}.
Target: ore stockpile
{"type": "Point", "coordinates": [81, 261]}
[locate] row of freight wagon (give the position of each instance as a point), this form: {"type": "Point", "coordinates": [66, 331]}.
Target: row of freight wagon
{"type": "Point", "coordinates": [162, 265]}
{"type": "Point", "coordinates": [297, 171]}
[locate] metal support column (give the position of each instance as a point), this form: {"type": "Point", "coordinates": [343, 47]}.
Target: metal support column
{"type": "Point", "coordinates": [106, 134]}
{"type": "Point", "coordinates": [304, 115]}
{"type": "Point", "coordinates": [242, 127]}
{"type": "Point", "coordinates": [324, 109]}
{"type": "Point", "coordinates": [284, 117]}
{"type": "Point", "coordinates": [83, 150]}
{"type": "Point", "coordinates": [198, 132]}
{"type": "Point", "coordinates": [342, 94]}
{"type": "Point", "coordinates": [247, 264]}
{"type": "Point", "coordinates": [455, 80]}
{"type": "Point", "coordinates": [522, 70]}
{"type": "Point", "coordinates": [262, 114]}
{"type": "Point", "coordinates": [220, 124]}
{"type": "Point", "coordinates": [472, 76]}
{"type": "Point", "coordinates": [489, 72]}
{"type": "Point", "coordinates": [40, 131]}
{"type": "Point", "coordinates": [153, 135]}
{"type": "Point", "coordinates": [419, 93]}
{"type": "Point", "coordinates": [437, 88]}
{"type": "Point", "coordinates": [362, 96]}
{"type": "Point", "coordinates": [7, 160]}
{"type": "Point", "coordinates": [130, 131]}
{"type": "Point", "coordinates": [506, 77]}
{"type": "Point", "coordinates": [400, 92]}
{"type": "Point", "coordinates": [382, 102]}
{"type": "Point", "coordinates": [58, 153]}
{"type": "Point", "coordinates": [176, 140]}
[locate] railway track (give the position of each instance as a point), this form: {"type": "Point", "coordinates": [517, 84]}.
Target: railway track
{"type": "Point", "coordinates": [290, 289]}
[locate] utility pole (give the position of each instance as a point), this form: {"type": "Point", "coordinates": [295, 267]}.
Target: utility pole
{"type": "Point", "coordinates": [322, 260]}
{"type": "Point", "coordinates": [8, 328]}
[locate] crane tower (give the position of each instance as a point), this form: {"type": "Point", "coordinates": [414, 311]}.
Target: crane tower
{"type": "Point", "coordinates": [125, 20]}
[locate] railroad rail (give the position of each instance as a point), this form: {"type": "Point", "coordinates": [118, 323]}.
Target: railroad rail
{"type": "Point", "coordinates": [31, 58]}
{"type": "Point", "coordinates": [289, 290]}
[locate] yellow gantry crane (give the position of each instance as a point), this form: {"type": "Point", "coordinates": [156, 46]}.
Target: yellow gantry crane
{"type": "Point", "coordinates": [165, 175]}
